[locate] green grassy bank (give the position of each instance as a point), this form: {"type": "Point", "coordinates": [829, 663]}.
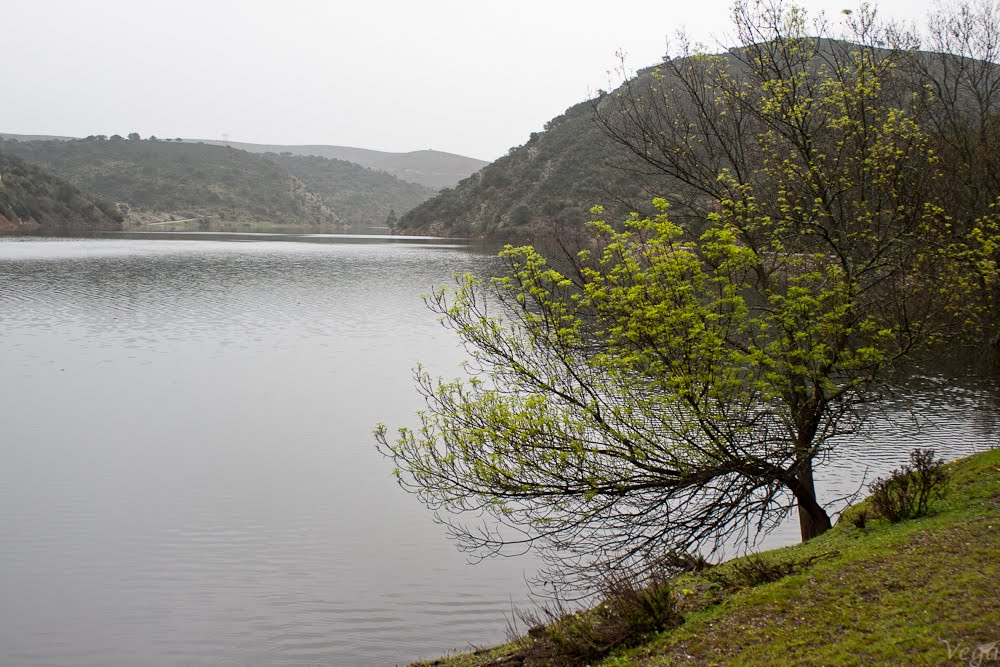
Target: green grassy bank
{"type": "Point", "coordinates": [923, 591]}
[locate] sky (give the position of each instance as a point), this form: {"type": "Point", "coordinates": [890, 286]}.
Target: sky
{"type": "Point", "coordinates": [467, 77]}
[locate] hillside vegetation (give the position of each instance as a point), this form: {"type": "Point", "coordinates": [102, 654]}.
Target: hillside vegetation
{"type": "Point", "coordinates": [158, 180]}
{"type": "Point", "coordinates": [559, 174]}
{"type": "Point", "coordinates": [434, 169]}
{"type": "Point", "coordinates": [361, 196]}
{"type": "Point", "coordinates": [33, 200]}
{"type": "Point", "coordinates": [869, 592]}
{"type": "Point", "coordinates": [553, 179]}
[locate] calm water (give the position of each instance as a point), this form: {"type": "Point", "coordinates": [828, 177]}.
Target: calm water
{"type": "Point", "coordinates": [188, 471]}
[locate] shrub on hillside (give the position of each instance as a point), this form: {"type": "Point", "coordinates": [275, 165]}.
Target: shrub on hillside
{"type": "Point", "coordinates": [908, 491]}
{"type": "Point", "coordinates": [629, 611]}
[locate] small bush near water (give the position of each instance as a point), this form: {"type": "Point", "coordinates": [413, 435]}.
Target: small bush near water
{"type": "Point", "coordinates": [628, 612]}
{"type": "Point", "coordinates": [908, 491]}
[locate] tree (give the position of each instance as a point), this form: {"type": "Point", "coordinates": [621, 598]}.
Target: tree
{"type": "Point", "coordinates": [521, 215]}
{"type": "Point", "coordinates": [960, 102]}
{"type": "Point", "coordinates": [673, 386]}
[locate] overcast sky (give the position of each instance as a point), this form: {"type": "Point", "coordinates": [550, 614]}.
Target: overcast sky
{"type": "Point", "coordinates": [467, 77]}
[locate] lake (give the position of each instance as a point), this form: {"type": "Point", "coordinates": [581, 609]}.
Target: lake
{"type": "Point", "coordinates": [189, 476]}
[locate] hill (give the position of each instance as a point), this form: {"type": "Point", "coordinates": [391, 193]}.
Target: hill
{"type": "Point", "coordinates": [33, 200]}
{"type": "Point", "coordinates": [159, 180]}
{"type": "Point", "coordinates": [35, 137]}
{"type": "Point", "coordinates": [553, 179]}
{"type": "Point", "coordinates": [433, 169]}
{"type": "Point", "coordinates": [362, 196]}
{"type": "Point", "coordinates": [869, 592]}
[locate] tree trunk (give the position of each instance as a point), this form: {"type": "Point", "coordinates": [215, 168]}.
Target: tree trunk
{"type": "Point", "coordinates": [813, 519]}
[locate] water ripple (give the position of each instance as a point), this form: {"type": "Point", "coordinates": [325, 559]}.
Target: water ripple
{"type": "Point", "coordinates": [188, 470]}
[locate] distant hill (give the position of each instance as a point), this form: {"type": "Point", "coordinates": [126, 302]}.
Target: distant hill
{"type": "Point", "coordinates": [553, 179]}
{"type": "Point", "coordinates": [433, 169]}
{"type": "Point", "coordinates": [33, 200]}
{"type": "Point", "coordinates": [160, 180]}
{"type": "Point", "coordinates": [35, 137]}
{"type": "Point", "coordinates": [547, 186]}
{"type": "Point", "coordinates": [362, 196]}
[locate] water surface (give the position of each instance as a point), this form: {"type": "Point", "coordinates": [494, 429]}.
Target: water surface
{"type": "Point", "coordinates": [189, 476]}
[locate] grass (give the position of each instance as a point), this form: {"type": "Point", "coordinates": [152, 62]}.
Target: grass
{"type": "Point", "coordinates": [922, 591]}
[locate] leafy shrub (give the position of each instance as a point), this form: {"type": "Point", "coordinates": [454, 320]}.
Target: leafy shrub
{"type": "Point", "coordinates": [909, 490]}
{"type": "Point", "coordinates": [629, 611]}
{"type": "Point", "coordinates": [520, 215]}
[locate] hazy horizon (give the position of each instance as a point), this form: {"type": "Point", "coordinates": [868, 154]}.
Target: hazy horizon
{"type": "Point", "coordinates": [464, 78]}
{"type": "Point", "coordinates": [219, 141]}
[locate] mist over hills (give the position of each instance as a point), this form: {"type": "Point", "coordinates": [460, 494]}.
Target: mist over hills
{"type": "Point", "coordinates": [35, 137]}
{"type": "Point", "coordinates": [156, 180]}
{"type": "Point", "coordinates": [435, 169]}
{"type": "Point", "coordinates": [544, 187]}
{"type": "Point", "coordinates": [551, 181]}
{"type": "Point", "coordinates": [547, 186]}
